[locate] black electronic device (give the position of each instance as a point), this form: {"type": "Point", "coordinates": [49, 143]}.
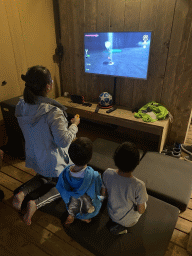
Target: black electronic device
{"type": "Point", "coordinates": [16, 142]}
{"type": "Point", "coordinates": [111, 110]}
{"type": "Point", "coordinates": [87, 104]}
{"type": "Point", "coordinates": [97, 109]}
{"type": "Point", "coordinates": [77, 99]}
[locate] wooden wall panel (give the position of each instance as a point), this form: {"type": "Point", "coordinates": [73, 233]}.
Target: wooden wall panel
{"type": "Point", "coordinates": [170, 23]}
{"type": "Point", "coordinates": [91, 81]}
{"type": "Point", "coordinates": [67, 39]}
{"type": "Point", "coordinates": [126, 86]}
{"type": "Point", "coordinates": [117, 22]}
{"type": "Point", "coordinates": [177, 93]}
{"type": "Point", "coordinates": [8, 70]}
{"type": "Point", "coordinates": [160, 48]}
{"type": "Point", "coordinates": [38, 31]}
{"type": "Point", "coordinates": [18, 41]}
{"type": "Point", "coordinates": [103, 83]}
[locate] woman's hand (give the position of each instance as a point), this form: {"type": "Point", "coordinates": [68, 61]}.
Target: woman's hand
{"type": "Point", "coordinates": [75, 120]}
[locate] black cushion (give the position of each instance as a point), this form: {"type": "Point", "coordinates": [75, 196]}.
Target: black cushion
{"type": "Point", "coordinates": [103, 151]}
{"type": "Point", "coordinates": [150, 236]}
{"type": "Point", "coordinates": [166, 178]}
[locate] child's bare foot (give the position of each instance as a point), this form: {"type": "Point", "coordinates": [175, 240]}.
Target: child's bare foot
{"type": "Point", "coordinates": [31, 209]}
{"type": "Point", "coordinates": [17, 200]}
{"type": "Point", "coordinates": [91, 209]}
{"type": "Point", "coordinates": [87, 221]}
{"type": "Point", "coordinates": [69, 220]}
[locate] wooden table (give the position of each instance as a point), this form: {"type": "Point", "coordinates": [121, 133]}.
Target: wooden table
{"type": "Point", "coordinates": [121, 117]}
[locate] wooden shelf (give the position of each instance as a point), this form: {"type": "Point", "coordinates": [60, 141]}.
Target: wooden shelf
{"type": "Point", "coordinates": [121, 117]}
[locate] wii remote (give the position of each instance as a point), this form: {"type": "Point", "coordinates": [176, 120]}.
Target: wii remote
{"type": "Point", "coordinates": [111, 110]}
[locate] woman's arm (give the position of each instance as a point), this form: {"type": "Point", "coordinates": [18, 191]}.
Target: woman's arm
{"type": "Point", "coordinates": [62, 134]}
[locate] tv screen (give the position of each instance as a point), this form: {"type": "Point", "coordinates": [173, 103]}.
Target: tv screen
{"type": "Point", "coordinates": [123, 54]}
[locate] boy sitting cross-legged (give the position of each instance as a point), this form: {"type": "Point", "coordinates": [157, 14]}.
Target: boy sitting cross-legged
{"type": "Point", "coordinates": [127, 195]}
{"type": "Point", "coordinates": [79, 185]}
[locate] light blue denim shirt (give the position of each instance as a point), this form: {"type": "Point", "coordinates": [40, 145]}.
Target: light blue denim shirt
{"type": "Point", "coordinates": [47, 135]}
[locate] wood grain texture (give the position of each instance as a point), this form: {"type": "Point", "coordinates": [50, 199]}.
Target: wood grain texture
{"type": "Point", "coordinates": [46, 236]}
{"type": "Point", "coordinates": [7, 65]}
{"type": "Point", "coordinates": [180, 238]}
{"type": "Point", "coordinates": [125, 86]}
{"type": "Point", "coordinates": [174, 250]}
{"type": "Point", "coordinates": [169, 77]}
{"type": "Point", "coordinates": [36, 19]}
{"type": "Point", "coordinates": [177, 95]}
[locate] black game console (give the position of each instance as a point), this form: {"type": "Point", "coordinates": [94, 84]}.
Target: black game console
{"type": "Point", "coordinates": [77, 99]}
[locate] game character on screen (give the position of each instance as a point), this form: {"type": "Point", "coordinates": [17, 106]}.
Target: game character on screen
{"type": "Point", "coordinates": [127, 195]}
{"type": "Point", "coordinates": [79, 185]}
{"type": "Point", "coordinates": [108, 47]}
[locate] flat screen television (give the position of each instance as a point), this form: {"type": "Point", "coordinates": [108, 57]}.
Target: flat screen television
{"type": "Point", "coordinates": [118, 54]}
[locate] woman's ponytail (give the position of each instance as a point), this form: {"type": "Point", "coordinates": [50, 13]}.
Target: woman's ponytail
{"type": "Point", "coordinates": [36, 79]}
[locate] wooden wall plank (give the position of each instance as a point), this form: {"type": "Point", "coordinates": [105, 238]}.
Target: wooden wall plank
{"type": "Point", "coordinates": [38, 31]}
{"type": "Point", "coordinates": [188, 132]}
{"type": "Point", "coordinates": [147, 22]}
{"type": "Point", "coordinates": [126, 86]}
{"type": "Point", "coordinates": [117, 22]}
{"type": "Point", "coordinates": [117, 15]}
{"type": "Point", "coordinates": [159, 50]}
{"type": "Point", "coordinates": [172, 83]}
{"type": "Point", "coordinates": [183, 89]}
{"type": "Point", "coordinates": [103, 15]}
{"type": "Point", "coordinates": [18, 43]}
{"type": "Point", "coordinates": [167, 20]}
{"type": "Point", "coordinates": [101, 83]}
{"type": "Point", "coordinates": [67, 40]}
{"type": "Point", "coordinates": [78, 28]}
{"type": "Point", "coordinates": [90, 25]}
{"type": "Point", "coordinates": [7, 63]}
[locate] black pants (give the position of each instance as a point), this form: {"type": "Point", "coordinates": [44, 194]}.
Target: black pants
{"type": "Point", "coordinates": [39, 182]}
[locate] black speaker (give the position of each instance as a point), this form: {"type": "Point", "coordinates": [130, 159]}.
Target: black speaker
{"type": "Point", "coordinates": [77, 99]}
{"type": "Point", "coordinates": [16, 142]}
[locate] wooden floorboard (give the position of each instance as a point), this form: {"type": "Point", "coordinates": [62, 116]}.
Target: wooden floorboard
{"type": "Point", "coordinates": [46, 235]}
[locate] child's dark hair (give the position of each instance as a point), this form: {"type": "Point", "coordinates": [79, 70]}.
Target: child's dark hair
{"type": "Point", "coordinates": [126, 157]}
{"type": "Point", "coordinates": [36, 79]}
{"type": "Point", "coordinates": [80, 151]}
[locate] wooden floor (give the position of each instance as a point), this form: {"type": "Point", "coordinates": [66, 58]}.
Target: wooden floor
{"type": "Point", "coordinates": [46, 236]}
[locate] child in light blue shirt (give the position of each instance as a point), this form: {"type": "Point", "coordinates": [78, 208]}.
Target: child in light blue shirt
{"type": "Point", "coordinates": [127, 195]}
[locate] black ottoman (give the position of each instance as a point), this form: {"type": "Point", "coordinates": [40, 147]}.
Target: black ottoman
{"type": "Point", "coordinates": [149, 237]}
{"type": "Point", "coordinates": [103, 151]}
{"type": "Point", "coordinates": [166, 178]}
